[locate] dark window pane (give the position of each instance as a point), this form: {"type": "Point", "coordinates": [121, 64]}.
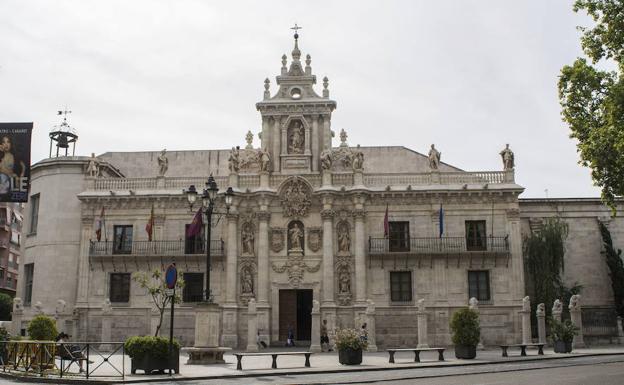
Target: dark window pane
{"type": "Point", "coordinates": [479, 285]}
{"type": "Point", "coordinates": [193, 287]}
{"type": "Point", "coordinates": [29, 271]}
{"type": "Point", "coordinates": [119, 287]}
{"type": "Point", "coordinates": [401, 286]}
{"type": "Point", "coordinates": [123, 239]}
{"type": "Point", "coordinates": [399, 236]}
{"type": "Point", "coordinates": [476, 238]}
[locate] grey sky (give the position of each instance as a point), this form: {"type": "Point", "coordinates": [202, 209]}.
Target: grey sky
{"type": "Point", "coordinates": [468, 76]}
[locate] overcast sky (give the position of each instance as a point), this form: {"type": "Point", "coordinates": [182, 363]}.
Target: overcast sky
{"type": "Point", "coordinates": [468, 76]}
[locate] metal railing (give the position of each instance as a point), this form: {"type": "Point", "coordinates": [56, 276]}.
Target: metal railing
{"type": "Point", "coordinates": [434, 245]}
{"type": "Point", "coordinates": [162, 248]}
{"type": "Point", "coordinates": [53, 359]}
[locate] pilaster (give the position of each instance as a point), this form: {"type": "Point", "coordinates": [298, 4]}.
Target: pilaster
{"type": "Point", "coordinates": [263, 256]}
{"type": "Point", "coordinates": [232, 256]}
{"type": "Point", "coordinates": [360, 256]}
{"type": "Point", "coordinates": [327, 215]}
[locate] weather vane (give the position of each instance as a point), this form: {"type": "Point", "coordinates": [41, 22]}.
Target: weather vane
{"type": "Point", "coordinates": [296, 28]}
{"type": "Point", "coordinates": [64, 113]}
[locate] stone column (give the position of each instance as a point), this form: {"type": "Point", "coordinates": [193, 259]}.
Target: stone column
{"type": "Point", "coordinates": [232, 255]}
{"type": "Point", "coordinates": [107, 322]}
{"type": "Point", "coordinates": [315, 344]}
{"type": "Point", "coordinates": [370, 322]}
{"type": "Point", "coordinates": [276, 137]}
{"type": "Point", "coordinates": [327, 214]}
{"type": "Point", "coordinates": [557, 310]}
{"type": "Point", "coordinates": [252, 326]}
{"type": "Point", "coordinates": [83, 260]}
{"type": "Point", "coordinates": [526, 320]}
{"type": "Point", "coordinates": [421, 316]}
{"type": "Point", "coordinates": [326, 131]}
{"type": "Point", "coordinates": [266, 137]}
{"type": "Point", "coordinates": [262, 294]}
{"type": "Point", "coordinates": [315, 143]}
{"type": "Point", "coordinates": [575, 315]}
{"type": "Point", "coordinates": [360, 255]}
{"type": "Point", "coordinates": [540, 314]}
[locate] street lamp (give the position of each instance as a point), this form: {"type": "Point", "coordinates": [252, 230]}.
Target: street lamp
{"type": "Point", "coordinates": [208, 200]}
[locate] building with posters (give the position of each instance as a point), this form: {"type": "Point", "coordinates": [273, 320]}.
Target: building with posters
{"type": "Point", "coordinates": [365, 231]}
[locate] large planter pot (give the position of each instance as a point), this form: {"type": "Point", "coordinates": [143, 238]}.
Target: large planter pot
{"type": "Point", "coordinates": [350, 356]}
{"type": "Point", "coordinates": [466, 352]}
{"type": "Point", "coordinates": [149, 364]}
{"type": "Point", "coordinates": [563, 346]}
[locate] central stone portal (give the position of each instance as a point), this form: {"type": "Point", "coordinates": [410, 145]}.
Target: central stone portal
{"type": "Point", "coordinates": [295, 313]}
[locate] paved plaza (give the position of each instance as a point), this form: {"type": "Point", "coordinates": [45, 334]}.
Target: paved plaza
{"type": "Point", "coordinates": [325, 366]}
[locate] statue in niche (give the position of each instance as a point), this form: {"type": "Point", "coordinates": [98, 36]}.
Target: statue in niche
{"type": "Point", "coordinates": [344, 282]}
{"type": "Point", "coordinates": [357, 161]}
{"type": "Point", "coordinates": [557, 306]}
{"type": "Point", "coordinates": [508, 158]}
{"type": "Point", "coordinates": [575, 302]}
{"type": "Point", "coordinates": [326, 160]}
{"type": "Point", "coordinates": [163, 163]}
{"type": "Point", "coordinates": [265, 159]}
{"type": "Point", "coordinates": [234, 159]}
{"type": "Point", "coordinates": [92, 167]}
{"type": "Point", "coordinates": [434, 158]}
{"type": "Point", "coordinates": [246, 281]}
{"type": "Point", "coordinates": [344, 240]}
{"type": "Point", "coordinates": [248, 239]}
{"type": "Point", "coordinates": [295, 138]}
{"type": "Point", "coordinates": [295, 236]}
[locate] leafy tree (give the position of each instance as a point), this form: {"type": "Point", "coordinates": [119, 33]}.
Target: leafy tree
{"type": "Point", "coordinates": [6, 307]}
{"type": "Point", "coordinates": [156, 285]}
{"type": "Point", "coordinates": [616, 268]}
{"type": "Point", "coordinates": [592, 99]}
{"type": "Point", "coordinates": [42, 328]}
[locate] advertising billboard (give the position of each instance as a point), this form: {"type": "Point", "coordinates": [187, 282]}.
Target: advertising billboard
{"type": "Point", "coordinates": [14, 161]}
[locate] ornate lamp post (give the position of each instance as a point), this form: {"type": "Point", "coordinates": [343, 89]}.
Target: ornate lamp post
{"type": "Point", "coordinates": [208, 200]}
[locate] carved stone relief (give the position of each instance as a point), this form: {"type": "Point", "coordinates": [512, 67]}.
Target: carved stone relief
{"type": "Point", "coordinates": [295, 237]}
{"type": "Point", "coordinates": [295, 197]}
{"type": "Point", "coordinates": [277, 239]}
{"type": "Point", "coordinates": [296, 137]}
{"type": "Point", "coordinates": [344, 238]}
{"type": "Point", "coordinates": [315, 239]}
{"type": "Point", "coordinates": [248, 238]}
{"type": "Point", "coordinates": [295, 266]}
{"type": "Point", "coordinates": [247, 271]}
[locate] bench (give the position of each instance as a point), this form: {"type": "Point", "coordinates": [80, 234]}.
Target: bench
{"type": "Point", "coordinates": [416, 353]}
{"type": "Point", "coordinates": [239, 357]}
{"type": "Point", "coordinates": [540, 348]}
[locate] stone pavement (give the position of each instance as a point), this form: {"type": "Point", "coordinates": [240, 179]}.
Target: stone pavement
{"type": "Point", "coordinates": [320, 363]}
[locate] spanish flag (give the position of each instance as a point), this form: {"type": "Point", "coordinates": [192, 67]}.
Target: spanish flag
{"type": "Point", "coordinates": [196, 225]}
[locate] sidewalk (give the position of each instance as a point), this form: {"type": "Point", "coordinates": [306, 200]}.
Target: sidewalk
{"type": "Point", "coordinates": [256, 366]}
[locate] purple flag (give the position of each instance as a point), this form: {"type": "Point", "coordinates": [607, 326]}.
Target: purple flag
{"type": "Point", "coordinates": [196, 225]}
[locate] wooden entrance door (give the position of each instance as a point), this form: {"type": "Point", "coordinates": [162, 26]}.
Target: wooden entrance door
{"type": "Point", "coordinates": [295, 311]}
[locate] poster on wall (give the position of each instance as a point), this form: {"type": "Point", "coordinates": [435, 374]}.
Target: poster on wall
{"type": "Point", "coordinates": [14, 161]}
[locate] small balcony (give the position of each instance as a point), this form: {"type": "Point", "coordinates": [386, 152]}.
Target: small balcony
{"type": "Point", "coordinates": [180, 247]}
{"type": "Point", "coordinates": [438, 246]}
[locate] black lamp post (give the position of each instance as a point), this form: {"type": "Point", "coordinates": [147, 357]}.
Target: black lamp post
{"type": "Point", "coordinates": [209, 198]}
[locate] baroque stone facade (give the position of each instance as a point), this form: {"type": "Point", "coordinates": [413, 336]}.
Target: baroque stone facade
{"type": "Point", "coordinates": [307, 224]}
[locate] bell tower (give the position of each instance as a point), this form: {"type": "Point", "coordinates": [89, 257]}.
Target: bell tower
{"type": "Point", "coordinates": [296, 121]}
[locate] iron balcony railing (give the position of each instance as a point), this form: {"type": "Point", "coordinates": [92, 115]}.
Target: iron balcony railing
{"type": "Point", "coordinates": [162, 248]}
{"type": "Point", "coordinates": [435, 245]}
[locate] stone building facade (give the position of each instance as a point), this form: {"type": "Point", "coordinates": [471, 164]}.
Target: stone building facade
{"type": "Point", "coordinates": [361, 230]}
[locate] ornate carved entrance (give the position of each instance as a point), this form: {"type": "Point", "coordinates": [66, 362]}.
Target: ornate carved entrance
{"type": "Point", "coordinates": [295, 311]}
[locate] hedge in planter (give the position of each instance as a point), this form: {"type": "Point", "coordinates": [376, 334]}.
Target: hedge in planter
{"type": "Point", "coordinates": [466, 333]}
{"type": "Point", "coordinates": [562, 334]}
{"type": "Point", "coordinates": [43, 328]}
{"type": "Point", "coordinates": [350, 343]}
{"type": "Point", "coordinates": [152, 354]}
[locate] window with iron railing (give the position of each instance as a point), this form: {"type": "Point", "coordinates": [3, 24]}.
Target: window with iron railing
{"type": "Point", "coordinates": [476, 238]}
{"type": "Point", "coordinates": [195, 244]}
{"type": "Point", "coordinates": [123, 239]}
{"type": "Point", "coordinates": [399, 237]}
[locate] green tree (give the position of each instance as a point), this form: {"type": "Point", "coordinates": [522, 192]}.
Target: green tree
{"type": "Point", "coordinates": [42, 328]}
{"type": "Point", "coordinates": [616, 269]}
{"type": "Point", "coordinates": [6, 307]}
{"type": "Point", "coordinates": [592, 99]}
{"type": "Point", "coordinates": [156, 286]}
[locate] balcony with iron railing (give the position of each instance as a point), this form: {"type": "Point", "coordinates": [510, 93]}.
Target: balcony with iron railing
{"type": "Point", "coordinates": [170, 248]}
{"type": "Point", "coordinates": [436, 245]}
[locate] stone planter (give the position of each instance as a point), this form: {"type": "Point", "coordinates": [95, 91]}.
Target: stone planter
{"type": "Point", "coordinates": [149, 364]}
{"type": "Point", "coordinates": [562, 346]}
{"type": "Point", "coordinates": [466, 352]}
{"type": "Point", "coordinates": [350, 356]}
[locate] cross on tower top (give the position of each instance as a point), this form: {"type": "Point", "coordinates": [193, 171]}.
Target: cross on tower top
{"type": "Point", "coordinates": [296, 28]}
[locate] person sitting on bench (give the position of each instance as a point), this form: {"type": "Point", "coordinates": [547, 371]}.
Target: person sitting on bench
{"type": "Point", "coordinates": [69, 351]}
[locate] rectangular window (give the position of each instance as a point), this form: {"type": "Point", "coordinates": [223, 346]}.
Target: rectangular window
{"type": "Point", "coordinates": [475, 236]}
{"type": "Point", "coordinates": [123, 239]}
{"type": "Point", "coordinates": [29, 272]}
{"type": "Point", "coordinates": [194, 244]}
{"type": "Point", "coordinates": [400, 286]}
{"type": "Point", "coordinates": [9, 281]}
{"type": "Point", "coordinates": [1, 273]}
{"type": "Point", "coordinates": [119, 287]}
{"type": "Point", "coordinates": [193, 287]}
{"type": "Point", "coordinates": [399, 237]}
{"type": "Point", "coordinates": [34, 213]}
{"type": "Point", "coordinates": [479, 285]}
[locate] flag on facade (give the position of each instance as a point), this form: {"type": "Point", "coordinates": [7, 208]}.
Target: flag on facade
{"type": "Point", "coordinates": [196, 225]}
{"type": "Point", "coordinates": [149, 227]}
{"type": "Point", "coordinates": [99, 223]}
{"type": "Point", "coordinates": [441, 220]}
{"type": "Point", "coordinates": [386, 224]}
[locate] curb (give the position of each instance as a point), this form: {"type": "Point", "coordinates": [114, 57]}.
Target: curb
{"type": "Point", "coordinates": [51, 380]}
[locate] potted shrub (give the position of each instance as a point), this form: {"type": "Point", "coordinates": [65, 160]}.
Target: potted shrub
{"type": "Point", "coordinates": [466, 333]}
{"type": "Point", "coordinates": [350, 343]}
{"type": "Point", "coordinates": [152, 354]}
{"type": "Point", "coordinates": [562, 334]}
{"type": "Point", "coordinates": [42, 329]}
{"type": "Point", "coordinates": [5, 337]}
